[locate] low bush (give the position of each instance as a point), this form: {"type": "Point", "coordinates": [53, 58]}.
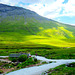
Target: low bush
{"type": "Point", "coordinates": [44, 62]}
{"type": "Point", "coordinates": [8, 66]}
{"type": "Point", "coordinates": [1, 63]}
{"type": "Point", "coordinates": [28, 62]}
{"type": "Point", "coordinates": [1, 71]}
{"type": "Point", "coordinates": [22, 58]}
{"type": "Point", "coordinates": [35, 60]}
{"type": "Point", "coordinates": [13, 59]}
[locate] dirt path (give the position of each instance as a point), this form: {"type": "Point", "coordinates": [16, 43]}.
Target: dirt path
{"type": "Point", "coordinates": [4, 56]}
{"type": "Point", "coordinates": [5, 60]}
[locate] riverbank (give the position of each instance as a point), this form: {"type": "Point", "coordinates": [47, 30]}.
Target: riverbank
{"type": "Point", "coordinates": [37, 70]}
{"type": "Point", "coordinates": [65, 69]}
{"type": "Point", "coordinates": [7, 66]}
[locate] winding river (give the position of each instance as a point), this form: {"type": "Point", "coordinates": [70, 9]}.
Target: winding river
{"type": "Point", "coordinates": [37, 70]}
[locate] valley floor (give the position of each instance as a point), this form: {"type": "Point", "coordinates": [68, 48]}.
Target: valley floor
{"type": "Point", "coordinates": [37, 70]}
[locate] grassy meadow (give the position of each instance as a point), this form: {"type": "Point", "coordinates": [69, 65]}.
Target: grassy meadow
{"type": "Point", "coordinates": [48, 38]}
{"type": "Point", "coordinates": [57, 53]}
{"type": "Point", "coordinates": [31, 33]}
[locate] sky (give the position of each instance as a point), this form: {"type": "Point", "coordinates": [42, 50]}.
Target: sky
{"type": "Point", "coordinates": [59, 10]}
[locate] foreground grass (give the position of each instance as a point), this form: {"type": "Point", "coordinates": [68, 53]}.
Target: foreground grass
{"type": "Point", "coordinates": [63, 70]}
{"type": "Point", "coordinates": [60, 53]}
{"type": "Point", "coordinates": [8, 67]}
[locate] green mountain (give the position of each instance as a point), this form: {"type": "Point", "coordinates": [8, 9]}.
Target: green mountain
{"type": "Point", "coordinates": [22, 28]}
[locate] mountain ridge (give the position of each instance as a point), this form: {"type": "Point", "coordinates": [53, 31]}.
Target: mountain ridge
{"type": "Point", "coordinates": [26, 28]}
{"type": "Point", "coordinates": [20, 10]}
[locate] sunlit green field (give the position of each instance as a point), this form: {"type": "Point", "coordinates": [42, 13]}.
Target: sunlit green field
{"type": "Point", "coordinates": [35, 41]}
{"type": "Point", "coordinates": [32, 33]}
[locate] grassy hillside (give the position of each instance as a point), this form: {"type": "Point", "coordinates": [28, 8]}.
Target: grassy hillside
{"type": "Point", "coordinates": [33, 31]}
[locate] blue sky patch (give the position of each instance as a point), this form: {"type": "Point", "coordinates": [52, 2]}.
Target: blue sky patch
{"type": "Point", "coordinates": [66, 19]}
{"type": "Point", "coordinates": [23, 3]}
{"type": "Point", "coordinates": [65, 1]}
{"type": "Point", "coordinates": [44, 5]}
{"type": "Point", "coordinates": [61, 12]}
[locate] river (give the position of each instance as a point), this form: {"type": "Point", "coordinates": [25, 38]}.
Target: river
{"type": "Point", "coordinates": [37, 70]}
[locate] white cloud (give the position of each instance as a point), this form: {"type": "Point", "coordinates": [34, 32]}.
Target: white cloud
{"type": "Point", "coordinates": [69, 8]}
{"type": "Point", "coordinates": [47, 8]}
{"type": "Point", "coordinates": [4, 1]}
{"type": "Point", "coordinates": [24, 1]}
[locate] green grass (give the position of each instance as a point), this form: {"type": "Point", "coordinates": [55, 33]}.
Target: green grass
{"type": "Point", "coordinates": [63, 70]}
{"type": "Point", "coordinates": [22, 33]}
{"type": "Point", "coordinates": [1, 63]}
{"type": "Point", "coordinates": [58, 53]}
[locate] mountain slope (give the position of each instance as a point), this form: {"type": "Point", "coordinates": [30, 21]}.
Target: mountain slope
{"type": "Point", "coordinates": [21, 28]}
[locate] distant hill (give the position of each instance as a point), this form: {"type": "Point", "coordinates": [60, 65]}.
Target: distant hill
{"type": "Point", "coordinates": [22, 28]}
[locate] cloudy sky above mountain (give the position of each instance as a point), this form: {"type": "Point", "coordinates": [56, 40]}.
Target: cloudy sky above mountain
{"type": "Point", "coordinates": [59, 10]}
